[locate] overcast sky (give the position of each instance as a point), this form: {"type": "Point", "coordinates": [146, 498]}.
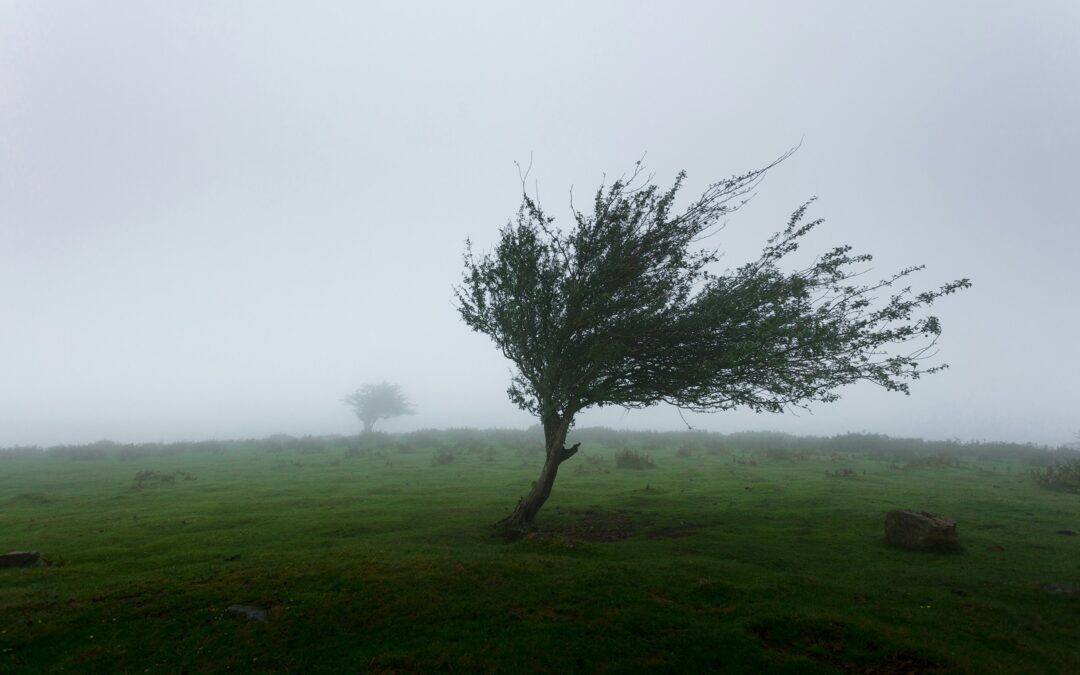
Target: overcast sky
{"type": "Point", "coordinates": [218, 218]}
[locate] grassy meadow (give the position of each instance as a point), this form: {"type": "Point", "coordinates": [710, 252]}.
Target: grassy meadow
{"type": "Point", "coordinates": [656, 553]}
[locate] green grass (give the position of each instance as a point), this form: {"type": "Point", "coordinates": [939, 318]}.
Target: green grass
{"type": "Point", "coordinates": [732, 562]}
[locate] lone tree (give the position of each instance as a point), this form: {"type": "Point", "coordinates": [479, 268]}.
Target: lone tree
{"type": "Point", "coordinates": [623, 310]}
{"type": "Point", "coordinates": [374, 402]}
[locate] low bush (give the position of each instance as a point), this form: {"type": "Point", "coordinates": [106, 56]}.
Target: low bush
{"type": "Point", "coordinates": [443, 456]}
{"type": "Point", "coordinates": [592, 464]}
{"type": "Point", "coordinates": [20, 451]}
{"type": "Point", "coordinates": [629, 459]}
{"type": "Point", "coordinates": [843, 473]}
{"type": "Point", "coordinates": [1064, 476]}
{"type": "Point", "coordinates": [932, 462]}
{"type": "Point", "coordinates": [150, 476]}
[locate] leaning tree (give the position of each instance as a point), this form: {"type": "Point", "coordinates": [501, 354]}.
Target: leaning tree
{"type": "Point", "coordinates": [374, 402]}
{"type": "Point", "coordinates": [624, 309]}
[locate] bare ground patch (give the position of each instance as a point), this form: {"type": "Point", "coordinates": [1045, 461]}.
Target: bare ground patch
{"type": "Point", "coordinates": [673, 531]}
{"type": "Point", "coordinates": [844, 647]}
{"type": "Point", "coordinates": [599, 525]}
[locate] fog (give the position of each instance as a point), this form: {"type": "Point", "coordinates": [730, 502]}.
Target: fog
{"type": "Point", "coordinates": [218, 219]}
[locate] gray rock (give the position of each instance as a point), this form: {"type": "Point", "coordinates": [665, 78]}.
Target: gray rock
{"type": "Point", "coordinates": [921, 530]}
{"type": "Point", "coordinates": [250, 612]}
{"type": "Point", "coordinates": [19, 559]}
{"type": "Point", "coordinates": [1061, 589]}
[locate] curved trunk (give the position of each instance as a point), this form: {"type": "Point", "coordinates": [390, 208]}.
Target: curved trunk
{"type": "Point", "coordinates": [555, 431]}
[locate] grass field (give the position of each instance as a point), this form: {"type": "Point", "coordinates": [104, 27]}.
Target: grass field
{"type": "Point", "coordinates": [378, 557]}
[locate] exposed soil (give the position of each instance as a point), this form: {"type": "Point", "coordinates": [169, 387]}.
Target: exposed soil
{"type": "Point", "coordinates": [673, 531]}
{"type": "Point", "coordinates": [841, 647]}
{"type": "Point", "coordinates": [600, 525]}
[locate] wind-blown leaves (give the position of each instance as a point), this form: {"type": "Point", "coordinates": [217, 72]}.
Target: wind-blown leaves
{"type": "Point", "coordinates": [624, 310]}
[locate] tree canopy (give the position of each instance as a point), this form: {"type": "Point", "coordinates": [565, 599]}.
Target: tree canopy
{"type": "Point", "coordinates": [624, 308]}
{"type": "Point", "coordinates": [374, 402]}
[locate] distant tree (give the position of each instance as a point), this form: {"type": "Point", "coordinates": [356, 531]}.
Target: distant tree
{"type": "Point", "coordinates": [623, 309]}
{"type": "Point", "coordinates": [374, 402]}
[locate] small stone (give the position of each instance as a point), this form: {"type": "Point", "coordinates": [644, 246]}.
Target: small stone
{"type": "Point", "coordinates": [1068, 533]}
{"type": "Point", "coordinates": [19, 559]}
{"type": "Point", "coordinates": [250, 612]}
{"type": "Point", "coordinates": [1061, 589]}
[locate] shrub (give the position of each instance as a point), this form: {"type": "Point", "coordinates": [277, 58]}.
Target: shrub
{"type": "Point", "coordinates": [358, 450]}
{"type": "Point", "coordinates": [20, 451]}
{"type": "Point", "coordinates": [843, 473]}
{"type": "Point", "coordinates": [1064, 476]}
{"type": "Point", "coordinates": [629, 459]}
{"type": "Point", "coordinates": [933, 462]}
{"type": "Point", "coordinates": [592, 464]}
{"type": "Point", "coordinates": [160, 477]}
{"type": "Point", "coordinates": [786, 454]}
{"type": "Point", "coordinates": [443, 456]}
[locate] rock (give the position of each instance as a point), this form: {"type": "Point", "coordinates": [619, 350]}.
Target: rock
{"type": "Point", "coordinates": [1068, 533]}
{"type": "Point", "coordinates": [250, 612]}
{"type": "Point", "coordinates": [19, 558]}
{"type": "Point", "coordinates": [921, 530]}
{"type": "Point", "coordinates": [1061, 589]}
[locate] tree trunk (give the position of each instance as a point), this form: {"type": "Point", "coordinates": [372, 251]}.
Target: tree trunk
{"type": "Point", "coordinates": [369, 426]}
{"type": "Point", "coordinates": [555, 431]}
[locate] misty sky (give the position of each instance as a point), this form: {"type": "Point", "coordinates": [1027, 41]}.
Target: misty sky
{"type": "Point", "coordinates": [216, 219]}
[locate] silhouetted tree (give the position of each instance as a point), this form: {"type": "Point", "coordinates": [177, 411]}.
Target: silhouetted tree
{"type": "Point", "coordinates": [374, 402]}
{"type": "Point", "coordinates": [623, 309]}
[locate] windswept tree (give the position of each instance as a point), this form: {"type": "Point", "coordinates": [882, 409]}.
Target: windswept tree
{"type": "Point", "coordinates": [624, 309]}
{"type": "Point", "coordinates": [374, 402]}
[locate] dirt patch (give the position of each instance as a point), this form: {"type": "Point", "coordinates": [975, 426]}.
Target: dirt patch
{"type": "Point", "coordinates": [600, 525]}
{"type": "Point", "coordinates": [673, 531]}
{"type": "Point", "coordinates": [596, 525]}
{"type": "Point", "coordinates": [1061, 589]}
{"type": "Point", "coordinates": [844, 647]}
{"type": "Point", "coordinates": [661, 599]}
{"type": "Point", "coordinates": [582, 525]}
{"type": "Point", "coordinates": [544, 612]}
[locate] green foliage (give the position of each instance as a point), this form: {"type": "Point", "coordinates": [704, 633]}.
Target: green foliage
{"type": "Point", "coordinates": [623, 309]}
